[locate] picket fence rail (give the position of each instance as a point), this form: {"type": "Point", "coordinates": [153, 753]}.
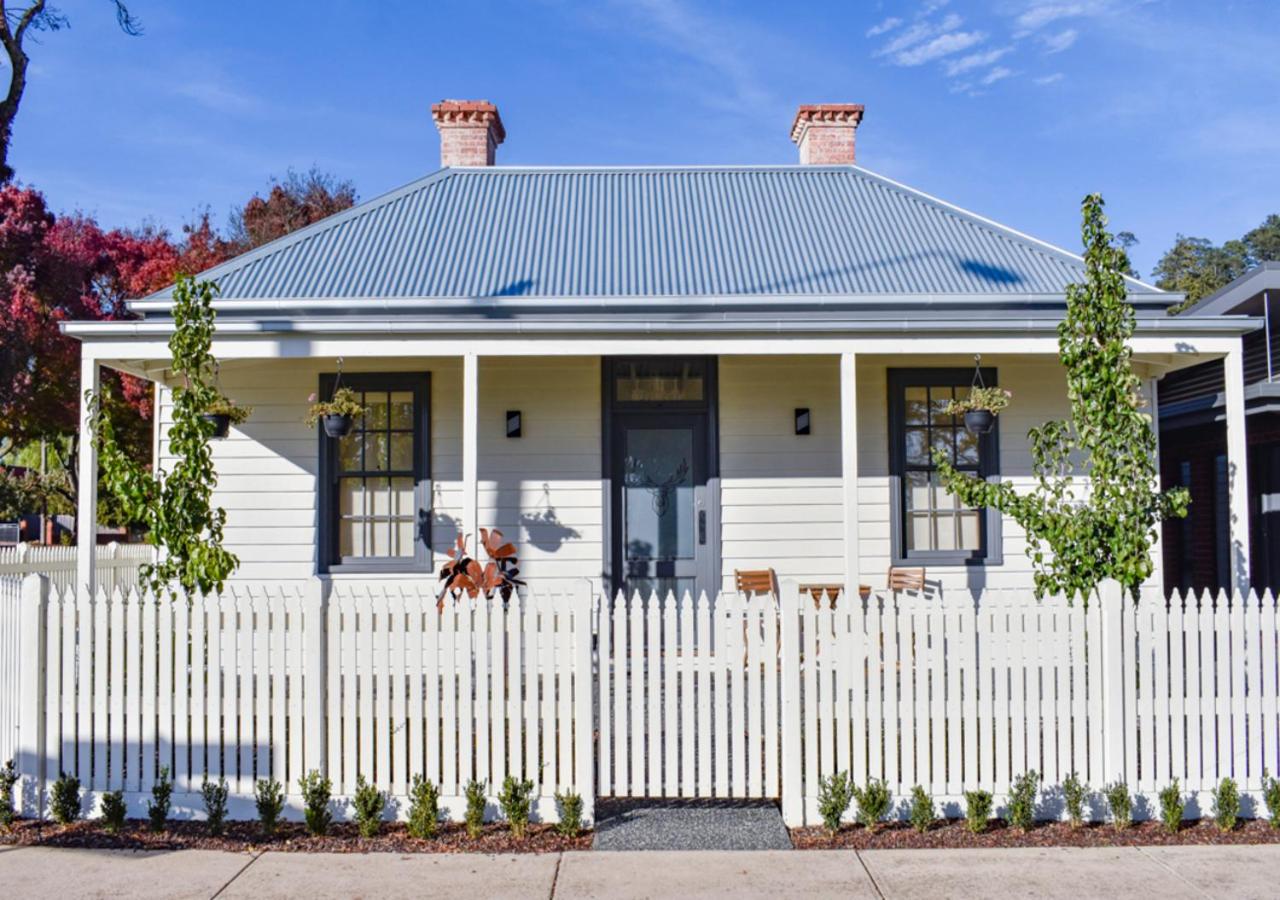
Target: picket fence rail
{"type": "Point", "coordinates": [658, 696]}
{"type": "Point", "coordinates": [116, 564]}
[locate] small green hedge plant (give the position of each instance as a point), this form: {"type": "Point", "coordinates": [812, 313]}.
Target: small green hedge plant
{"type": "Point", "coordinates": [161, 795]}
{"type": "Point", "coordinates": [214, 794]}
{"type": "Point", "coordinates": [1271, 796]}
{"type": "Point", "coordinates": [268, 797]}
{"type": "Point", "coordinates": [113, 811]}
{"type": "Point", "coordinates": [874, 802]}
{"type": "Point", "coordinates": [369, 804]}
{"type": "Point", "coordinates": [8, 781]}
{"type": "Point", "coordinates": [317, 791]}
{"type": "Point", "coordinates": [1075, 793]}
{"type": "Point", "coordinates": [1226, 804]}
{"type": "Point", "coordinates": [1022, 801]}
{"type": "Point", "coordinates": [1171, 807]}
{"type": "Point", "coordinates": [1120, 804]}
{"type": "Point", "coordinates": [835, 793]}
{"type": "Point", "coordinates": [64, 799]}
{"type": "Point", "coordinates": [515, 800]}
{"type": "Point", "coordinates": [570, 806]}
{"type": "Point", "coordinates": [923, 813]}
{"type": "Point", "coordinates": [473, 818]}
{"type": "Point", "coordinates": [977, 810]}
{"type": "Point", "coordinates": [424, 808]}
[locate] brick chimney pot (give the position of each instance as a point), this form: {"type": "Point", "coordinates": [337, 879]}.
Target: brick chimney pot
{"type": "Point", "coordinates": [825, 132]}
{"type": "Point", "coordinates": [470, 132]}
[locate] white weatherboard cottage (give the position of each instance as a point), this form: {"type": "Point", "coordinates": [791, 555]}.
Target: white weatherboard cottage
{"type": "Point", "coordinates": [645, 377]}
{"type": "Point", "coordinates": [649, 379]}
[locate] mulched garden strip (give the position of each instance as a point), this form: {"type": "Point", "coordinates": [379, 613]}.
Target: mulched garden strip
{"type": "Point", "coordinates": [952, 834]}
{"type": "Point", "coordinates": [289, 837]}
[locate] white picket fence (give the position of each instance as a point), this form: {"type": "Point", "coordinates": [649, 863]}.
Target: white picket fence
{"type": "Point", "coordinates": [638, 697]}
{"type": "Point", "coordinates": [270, 683]}
{"type": "Point", "coordinates": [116, 564]}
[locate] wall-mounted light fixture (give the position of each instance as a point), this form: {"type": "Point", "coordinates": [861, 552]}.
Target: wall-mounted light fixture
{"type": "Point", "coordinates": [513, 423]}
{"type": "Point", "coordinates": [802, 420]}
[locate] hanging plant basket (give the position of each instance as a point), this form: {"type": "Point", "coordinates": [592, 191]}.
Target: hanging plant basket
{"type": "Point", "coordinates": [337, 414]}
{"type": "Point", "coordinates": [336, 425]}
{"type": "Point", "coordinates": [221, 424]}
{"type": "Point", "coordinates": [979, 421]}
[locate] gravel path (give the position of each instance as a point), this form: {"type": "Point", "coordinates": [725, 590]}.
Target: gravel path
{"type": "Point", "coordinates": [690, 825]}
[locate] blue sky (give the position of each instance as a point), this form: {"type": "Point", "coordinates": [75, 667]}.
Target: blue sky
{"type": "Point", "coordinates": [1011, 108]}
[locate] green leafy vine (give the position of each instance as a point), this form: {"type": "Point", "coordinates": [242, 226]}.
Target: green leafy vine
{"type": "Point", "coordinates": [177, 507]}
{"type": "Point", "coordinates": [1077, 541]}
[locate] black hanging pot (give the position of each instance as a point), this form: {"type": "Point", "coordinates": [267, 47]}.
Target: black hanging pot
{"type": "Point", "coordinates": [221, 423]}
{"type": "Point", "coordinates": [336, 426]}
{"type": "Point", "coordinates": [979, 421]}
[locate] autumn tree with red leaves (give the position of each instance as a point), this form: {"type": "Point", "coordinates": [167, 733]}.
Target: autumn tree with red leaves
{"type": "Point", "coordinates": [297, 201]}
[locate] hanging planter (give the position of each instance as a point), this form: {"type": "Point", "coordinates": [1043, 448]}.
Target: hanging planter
{"type": "Point", "coordinates": [982, 405]}
{"type": "Point", "coordinates": [336, 414]}
{"type": "Point", "coordinates": [222, 413]}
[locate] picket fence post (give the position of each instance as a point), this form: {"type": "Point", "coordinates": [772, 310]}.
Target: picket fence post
{"type": "Point", "coordinates": [1112, 597]}
{"type": "Point", "coordinates": [584, 700]}
{"type": "Point", "coordinates": [31, 691]}
{"type": "Point", "coordinates": [793, 801]}
{"type": "Point", "coordinates": [315, 675]}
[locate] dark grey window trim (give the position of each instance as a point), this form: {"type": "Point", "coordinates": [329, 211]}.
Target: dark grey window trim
{"type": "Point", "coordinates": [992, 553]}
{"type": "Point", "coordinates": [327, 557]}
{"type": "Point", "coordinates": [710, 404]}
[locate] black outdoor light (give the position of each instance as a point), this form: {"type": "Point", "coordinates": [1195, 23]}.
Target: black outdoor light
{"type": "Point", "coordinates": [802, 420]}
{"type": "Point", "coordinates": [513, 423]}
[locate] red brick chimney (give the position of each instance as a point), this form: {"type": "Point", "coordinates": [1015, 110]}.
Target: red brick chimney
{"type": "Point", "coordinates": [824, 133]}
{"type": "Point", "coordinates": [470, 131]}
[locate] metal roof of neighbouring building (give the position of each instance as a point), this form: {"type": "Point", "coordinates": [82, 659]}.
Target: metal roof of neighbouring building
{"type": "Point", "coordinates": [564, 233]}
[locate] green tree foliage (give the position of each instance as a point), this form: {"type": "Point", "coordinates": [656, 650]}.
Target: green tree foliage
{"type": "Point", "coordinates": [1197, 267]}
{"type": "Point", "coordinates": [1077, 541]}
{"type": "Point", "coordinates": [177, 507]}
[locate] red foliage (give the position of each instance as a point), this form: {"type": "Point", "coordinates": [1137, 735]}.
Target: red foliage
{"type": "Point", "coordinates": [54, 270]}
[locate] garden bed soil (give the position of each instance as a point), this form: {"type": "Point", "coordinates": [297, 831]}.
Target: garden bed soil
{"type": "Point", "coordinates": [289, 837]}
{"type": "Point", "coordinates": [952, 834]}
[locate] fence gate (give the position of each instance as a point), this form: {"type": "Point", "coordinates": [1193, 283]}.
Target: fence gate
{"type": "Point", "coordinates": [688, 697]}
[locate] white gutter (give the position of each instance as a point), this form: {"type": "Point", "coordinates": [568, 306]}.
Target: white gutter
{"type": "Point", "coordinates": [116, 329]}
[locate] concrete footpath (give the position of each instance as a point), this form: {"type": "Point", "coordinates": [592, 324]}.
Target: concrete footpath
{"type": "Point", "coordinates": [1168, 873]}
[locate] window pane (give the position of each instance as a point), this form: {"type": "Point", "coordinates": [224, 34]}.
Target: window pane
{"type": "Point", "coordinates": [657, 495]}
{"type": "Point", "coordinates": [380, 538]}
{"type": "Point", "coordinates": [375, 451]}
{"type": "Point", "coordinates": [944, 440]}
{"type": "Point", "coordinates": [402, 452]}
{"type": "Point", "coordinates": [351, 537]}
{"type": "Point", "coordinates": [939, 398]}
{"type": "Point", "coordinates": [403, 533]}
{"type": "Point", "coordinates": [376, 415]}
{"type": "Point", "coordinates": [349, 452]}
{"type": "Point", "coordinates": [350, 497]}
{"type": "Point", "coordinates": [970, 532]}
{"type": "Point", "coordinates": [942, 498]}
{"type": "Point", "coordinates": [917, 446]}
{"type": "Point", "coordinates": [402, 497]}
{"type": "Point", "coordinates": [402, 409]}
{"type": "Point", "coordinates": [917, 406]}
{"type": "Point", "coordinates": [966, 447]}
{"type": "Point", "coordinates": [919, 527]}
{"type": "Point", "coordinates": [659, 382]}
{"type": "Point", "coordinates": [379, 492]}
{"type": "Point", "coordinates": [917, 491]}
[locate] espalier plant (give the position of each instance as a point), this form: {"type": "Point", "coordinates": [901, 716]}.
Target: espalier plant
{"type": "Point", "coordinates": [177, 507]}
{"type": "Point", "coordinates": [1075, 543]}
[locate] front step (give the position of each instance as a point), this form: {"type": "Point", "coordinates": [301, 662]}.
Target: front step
{"type": "Point", "coordinates": [690, 825]}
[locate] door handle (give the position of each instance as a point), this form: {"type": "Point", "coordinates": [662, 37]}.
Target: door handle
{"type": "Point", "coordinates": [702, 526]}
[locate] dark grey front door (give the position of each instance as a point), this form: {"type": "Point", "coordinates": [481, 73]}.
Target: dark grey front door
{"type": "Point", "coordinates": [660, 470]}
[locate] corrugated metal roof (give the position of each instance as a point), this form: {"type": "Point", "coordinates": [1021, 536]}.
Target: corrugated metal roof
{"type": "Point", "coordinates": [799, 231]}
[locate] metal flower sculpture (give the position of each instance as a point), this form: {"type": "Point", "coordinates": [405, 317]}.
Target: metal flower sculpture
{"type": "Point", "coordinates": [462, 573]}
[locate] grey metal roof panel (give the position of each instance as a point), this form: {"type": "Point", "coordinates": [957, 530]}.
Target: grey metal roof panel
{"type": "Point", "coordinates": [794, 231]}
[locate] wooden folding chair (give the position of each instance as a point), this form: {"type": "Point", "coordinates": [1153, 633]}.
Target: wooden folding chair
{"type": "Point", "coordinates": [904, 579]}
{"type": "Point", "coordinates": [756, 581]}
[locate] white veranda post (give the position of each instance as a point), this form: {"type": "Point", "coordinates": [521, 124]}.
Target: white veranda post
{"type": "Point", "coordinates": [1237, 468]}
{"type": "Point", "coordinates": [87, 479]}
{"type": "Point", "coordinates": [849, 466]}
{"type": "Point", "coordinates": [470, 450]}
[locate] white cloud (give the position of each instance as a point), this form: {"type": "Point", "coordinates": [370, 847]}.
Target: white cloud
{"type": "Point", "coordinates": [1056, 43]}
{"type": "Point", "coordinates": [919, 32]}
{"type": "Point", "coordinates": [931, 7]}
{"type": "Point", "coordinates": [964, 64]}
{"type": "Point", "coordinates": [1042, 12]}
{"type": "Point", "coordinates": [1049, 79]}
{"type": "Point", "coordinates": [938, 47]}
{"type": "Point", "coordinates": [999, 73]}
{"type": "Point", "coordinates": [887, 25]}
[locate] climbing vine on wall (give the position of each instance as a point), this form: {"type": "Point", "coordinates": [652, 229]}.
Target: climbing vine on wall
{"type": "Point", "coordinates": [177, 506]}
{"type": "Point", "coordinates": [1077, 535]}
